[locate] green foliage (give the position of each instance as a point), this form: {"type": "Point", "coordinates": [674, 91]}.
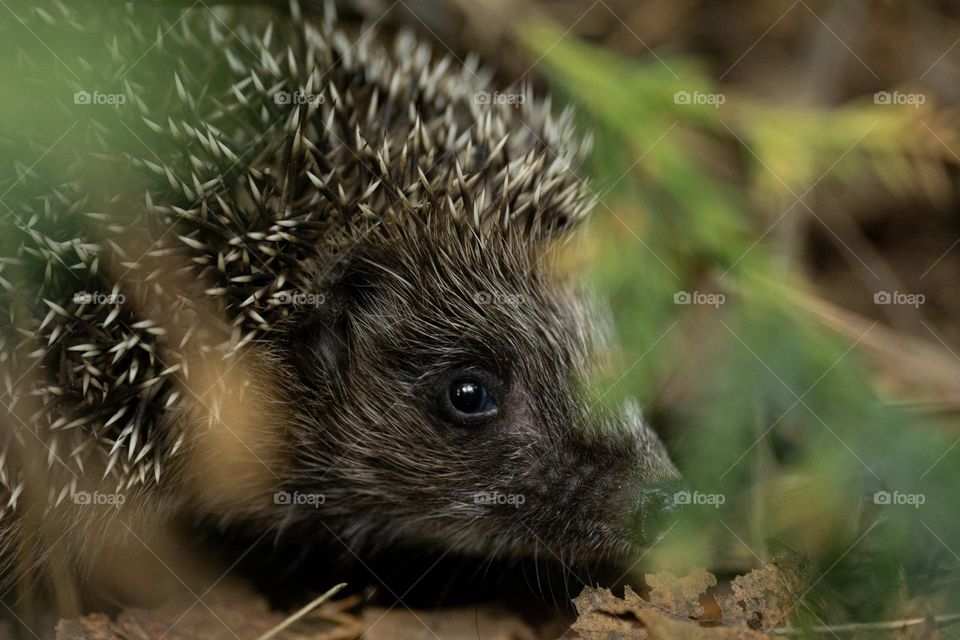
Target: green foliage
{"type": "Point", "coordinates": [763, 403]}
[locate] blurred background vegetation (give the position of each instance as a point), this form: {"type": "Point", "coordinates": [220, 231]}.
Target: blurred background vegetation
{"type": "Point", "coordinates": [777, 232]}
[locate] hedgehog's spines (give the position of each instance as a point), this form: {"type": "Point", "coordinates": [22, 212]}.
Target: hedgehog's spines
{"type": "Point", "coordinates": [254, 162]}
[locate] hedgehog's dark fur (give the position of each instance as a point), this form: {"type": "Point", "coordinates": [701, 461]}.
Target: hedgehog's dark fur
{"type": "Point", "coordinates": [301, 279]}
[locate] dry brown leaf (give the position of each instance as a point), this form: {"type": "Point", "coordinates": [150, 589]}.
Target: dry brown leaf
{"type": "Point", "coordinates": [663, 627]}
{"type": "Point", "coordinates": [766, 597]}
{"type": "Point", "coordinates": [603, 616]}
{"type": "Point", "coordinates": [680, 596]}
{"type": "Point", "coordinates": [759, 601]}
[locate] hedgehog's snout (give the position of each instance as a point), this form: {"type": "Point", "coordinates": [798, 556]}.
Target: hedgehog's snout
{"type": "Point", "coordinates": [655, 489]}
{"type": "Point", "coordinates": [663, 498]}
{"type": "Point", "coordinates": [656, 508]}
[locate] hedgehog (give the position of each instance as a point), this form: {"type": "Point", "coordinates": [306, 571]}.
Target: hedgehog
{"type": "Point", "coordinates": [280, 277]}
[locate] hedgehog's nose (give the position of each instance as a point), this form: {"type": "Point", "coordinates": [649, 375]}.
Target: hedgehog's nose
{"type": "Point", "coordinates": [665, 497]}
{"type": "Point", "coordinates": [657, 507]}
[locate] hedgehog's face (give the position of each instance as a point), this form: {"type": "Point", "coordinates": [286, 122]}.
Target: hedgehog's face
{"type": "Point", "coordinates": [457, 413]}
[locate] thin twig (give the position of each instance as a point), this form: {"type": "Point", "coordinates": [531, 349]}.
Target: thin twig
{"type": "Point", "coordinates": [893, 625]}
{"type": "Point", "coordinates": [302, 612]}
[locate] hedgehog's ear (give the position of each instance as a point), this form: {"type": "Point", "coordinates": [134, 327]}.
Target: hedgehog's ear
{"type": "Point", "coordinates": [320, 347]}
{"type": "Point", "coordinates": [332, 345]}
{"type": "Point", "coordinates": [323, 337]}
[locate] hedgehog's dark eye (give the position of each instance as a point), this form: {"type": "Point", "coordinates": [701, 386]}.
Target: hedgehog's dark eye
{"type": "Point", "coordinates": [469, 399]}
